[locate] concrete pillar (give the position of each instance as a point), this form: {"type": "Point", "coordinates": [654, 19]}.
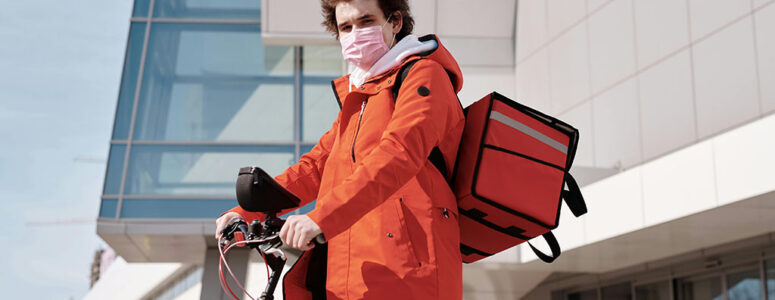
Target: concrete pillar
{"type": "Point", "coordinates": [211, 287]}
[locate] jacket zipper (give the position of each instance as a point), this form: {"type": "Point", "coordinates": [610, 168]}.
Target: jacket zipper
{"type": "Point", "coordinates": [357, 130]}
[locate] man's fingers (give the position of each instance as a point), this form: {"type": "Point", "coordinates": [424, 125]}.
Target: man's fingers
{"type": "Point", "coordinates": [300, 238]}
{"type": "Point", "coordinates": [283, 233]}
{"type": "Point", "coordinates": [308, 246]}
{"type": "Point", "coordinates": [295, 237]}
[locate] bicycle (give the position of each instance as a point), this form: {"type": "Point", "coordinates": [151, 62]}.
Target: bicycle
{"type": "Point", "coordinates": [257, 191]}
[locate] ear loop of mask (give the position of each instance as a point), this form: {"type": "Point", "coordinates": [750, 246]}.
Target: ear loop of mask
{"type": "Point", "coordinates": [394, 35]}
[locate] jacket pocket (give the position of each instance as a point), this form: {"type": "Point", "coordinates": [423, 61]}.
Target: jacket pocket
{"type": "Point", "coordinates": [406, 237]}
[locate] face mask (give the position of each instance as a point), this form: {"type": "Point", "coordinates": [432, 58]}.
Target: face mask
{"type": "Point", "coordinates": [364, 46]}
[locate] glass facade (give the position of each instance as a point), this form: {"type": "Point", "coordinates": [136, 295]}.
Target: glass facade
{"type": "Point", "coordinates": [200, 97]}
{"type": "Point", "coordinates": [705, 288]}
{"type": "Point", "coordinates": [744, 284]}
{"type": "Point", "coordinates": [770, 278]}
{"type": "Point", "coordinates": [750, 279]}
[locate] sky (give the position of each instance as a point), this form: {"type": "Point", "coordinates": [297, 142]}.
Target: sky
{"type": "Point", "coordinates": [60, 68]}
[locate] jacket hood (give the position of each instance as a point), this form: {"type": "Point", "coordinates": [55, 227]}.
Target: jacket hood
{"type": "Point", "coordinates": [442, 56]}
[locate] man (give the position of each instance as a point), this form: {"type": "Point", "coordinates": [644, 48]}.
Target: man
{"type": "Point", "coordinates": [387, 212]}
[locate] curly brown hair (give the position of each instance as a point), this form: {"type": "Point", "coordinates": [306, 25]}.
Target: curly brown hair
{"type": "Point", "coordinates": [387, 7]}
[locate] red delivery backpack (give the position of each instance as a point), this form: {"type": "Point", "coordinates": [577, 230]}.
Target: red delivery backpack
{"type": "Point", "coordinates": [510, 175]}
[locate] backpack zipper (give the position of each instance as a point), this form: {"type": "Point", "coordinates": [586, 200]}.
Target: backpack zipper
{"type": "Point", "coordinates": [358, 129]}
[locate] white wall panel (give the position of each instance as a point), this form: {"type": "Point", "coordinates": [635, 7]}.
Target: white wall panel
{"type": "Point", "coordinates": [616, 121]}
{"type": "Point", "coordinates": [709, 15]}
{"type": "Point", "coordinates": [304, 28]}
{"type": "Point", "coordinates": [569, 69]}
{"type": "Point", "coordinates": [424, 13]}
{"type": "Point", "coordinates": [483, 52]}
{"type": "Point", "coordinates": [725, 79]}
{"type": "Point", "coordinates": [531, 26]}
{"type": "Point", "coordinates": [491, 19]}
{"type": "Point", "coordinates": [581, 118]}
{"type": "Point", "coordinates": [611, 43]}
{"type": "Point", "coordinates": [760, 3]}
{"type": "Point", "coordinates": [615, 206]}
{"type": "Point", "coordinates": [532, 78]}
{"type": "Point", "coordinates": [667, 106]}
{"type": "Point", "coordinates": [679, 184]}
{"type": "Point", "coordinates": [592, 5]}
{"type": "Point", "coordinates": [564, 13]}
{"type": "Point", "coordinates": [744, 160]}
{"type": "Point", "coordinates": [765, 42]}
{"type": "Point", "coordinates": [661, 27]}
{"type": "Point", "coordinates": [480, 81]}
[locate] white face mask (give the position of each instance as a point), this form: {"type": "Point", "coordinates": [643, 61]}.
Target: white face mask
{"type": "Point", "coordinates": [364, 46]}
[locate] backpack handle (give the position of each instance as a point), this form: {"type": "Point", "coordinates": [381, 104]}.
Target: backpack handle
{"type": "Point", "coordinates": [578, 207]}
{"type": "Point", "coordinates": [554, 246]}
{"type": "Point", "coordinates": [573, 196]}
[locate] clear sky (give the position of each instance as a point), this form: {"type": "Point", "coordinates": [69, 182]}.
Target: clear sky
{"type": "Point", "coordinates": [60, 67]}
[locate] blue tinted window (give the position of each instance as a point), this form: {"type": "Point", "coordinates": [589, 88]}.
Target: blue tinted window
{"type": "Point", "coordinates": [319, 110]}
{"type": "Point", "coordinates": [307, 208]}
{"type": "Point", "coordinates": [126, 95]}
{"type": "Point", "coordinates": [304, 149]}
{"type": "Point", "coordinates": [209, 82]}
{"type": "Point", "coordinates": [114, 170]}
{"type": "Point", "coordinates": [141, 8]}
{"type": "Point", "coordinates": [744, 285]}
{"type": "Point", "coordinates": [321, 64]}
{"type": "Point", "coordinates": [208, 9]}
{"type": "Point", "coordinates": [770, 279]}
{"type": "Point", "coordinates": [198, 170]}
{"type": "Point", "coordinates": [323, 61]}
{"type": "Point", "coordinates": [108, 208]}
{"type": "Point", "coordinates": [175, 208]}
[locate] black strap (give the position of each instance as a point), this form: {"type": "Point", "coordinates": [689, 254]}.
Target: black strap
{"type": "Point", "coordinates": [573, 197]}
{"type": "Point", "coordinates": [436, 157]}
{"type": "Point", "coordinates": [554, 246]}
{"type": "Point", "coordinates": [401, 76]}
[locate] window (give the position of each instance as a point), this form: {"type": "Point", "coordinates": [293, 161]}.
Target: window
{"type": "Point", "coordinates": [702, 289]}
{"type": "Point", "coordinates": [205, 82]}
{"type": "Point", "coordinates": [653, 291]}
{"type": "Point", "coordinates": [208, 9]}
{"type": "Point", "coordinates": [583, 295]}
{"type": "Point", "coordinates": [744, 285]}
{"type": "Point", "coordinates": [210, 98]}
{"type": "Point", "coordinates": [770, 277]}
{"type": "Point", "coordinates": [198, 170]}
{"type": "Point", "coordinates": [621, 291]}
{"type": "Point", "coordinates": [126, 97]}
{"type": "Point", "coordinates": [115, 169]}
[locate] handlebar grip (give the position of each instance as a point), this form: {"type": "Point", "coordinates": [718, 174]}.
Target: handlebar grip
{"type": "Point", "coordinates": [320, 239]}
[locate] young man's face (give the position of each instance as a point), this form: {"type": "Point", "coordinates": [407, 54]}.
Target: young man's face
{"type": "Point", "coordinates": [357, 14]}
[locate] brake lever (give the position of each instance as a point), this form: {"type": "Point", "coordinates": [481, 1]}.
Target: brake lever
{"type": "Point", "coordinates": [235, 227]}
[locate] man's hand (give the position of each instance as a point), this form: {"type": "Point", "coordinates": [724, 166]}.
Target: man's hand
{"type": "Point", "coordinates": [221, 223]}
{"type": "Point", "coordinates": [298, 232]}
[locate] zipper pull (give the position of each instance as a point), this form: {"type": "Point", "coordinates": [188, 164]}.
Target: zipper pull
{"type": "Point", "coordinates": [363, 106]}
{"type": "Point", "coordinates": [446, 214]}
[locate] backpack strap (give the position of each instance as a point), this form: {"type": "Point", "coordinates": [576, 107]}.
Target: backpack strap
{"type": "Point", "coordinates": [436, 157]}
{"type": "Point", "coordinates": [554, 246]}
{"type": "Point", "coordinates": [573, 196]}
{"type": "Point", "coordinates": [577, 206]}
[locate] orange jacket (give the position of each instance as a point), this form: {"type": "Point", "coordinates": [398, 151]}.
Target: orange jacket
{"type": "Point", "coordinates": [387, 212]}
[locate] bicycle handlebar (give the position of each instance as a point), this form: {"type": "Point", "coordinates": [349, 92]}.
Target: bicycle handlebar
{"type": "Point", "coordinates": [265, 238]}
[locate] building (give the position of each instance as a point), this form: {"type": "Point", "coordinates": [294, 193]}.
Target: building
{"type": "Point", "coordinates": [673, 100]}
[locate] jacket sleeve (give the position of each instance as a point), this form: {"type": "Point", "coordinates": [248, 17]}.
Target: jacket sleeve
{"type": "Point", "coordinates": [303, 178]}
{"type": "Point", "coordinates": [418, 123]}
